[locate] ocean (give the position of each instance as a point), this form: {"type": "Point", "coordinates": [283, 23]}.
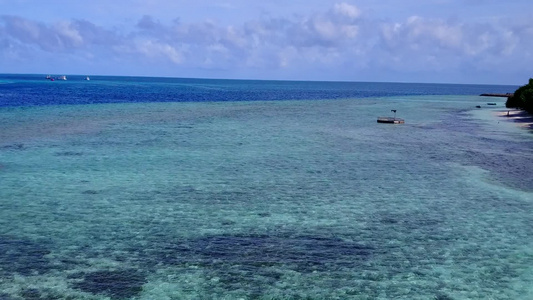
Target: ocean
{"type": "Point", "coordinates": [169, 188]}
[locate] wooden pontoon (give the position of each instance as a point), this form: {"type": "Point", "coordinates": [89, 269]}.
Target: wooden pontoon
{"type": "Point", "coordinates": [391, 120]}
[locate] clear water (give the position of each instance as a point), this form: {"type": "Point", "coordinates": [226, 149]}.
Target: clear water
{"type": "Point", "coordinates": [280, 199]}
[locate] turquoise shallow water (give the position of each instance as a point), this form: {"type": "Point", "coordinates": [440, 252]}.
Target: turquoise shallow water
{"type": "Point", "coordinates": [266, 200]}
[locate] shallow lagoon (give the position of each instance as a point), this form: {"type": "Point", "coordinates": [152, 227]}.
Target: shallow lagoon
{"type": "Point", "coordinates": [266, 200]}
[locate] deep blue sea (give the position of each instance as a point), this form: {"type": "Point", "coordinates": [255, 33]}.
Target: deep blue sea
{"type": "Point", "coordinates": [170, 188]}
{"type": "Point", "coordinates": [29, 90]}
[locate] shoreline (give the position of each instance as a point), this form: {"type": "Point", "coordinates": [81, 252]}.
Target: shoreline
{"type": "Point", "coordinates": [521, 117]}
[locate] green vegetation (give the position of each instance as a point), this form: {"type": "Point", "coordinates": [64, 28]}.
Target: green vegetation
{"type": "Point", "coordinates": [523, 98]}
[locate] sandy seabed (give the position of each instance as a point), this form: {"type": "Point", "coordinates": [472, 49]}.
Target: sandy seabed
{"type": "Point", "coordinates": [522, 118]}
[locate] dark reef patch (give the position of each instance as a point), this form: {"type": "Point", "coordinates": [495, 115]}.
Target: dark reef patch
{"type": "Point", "coordinates": [89, 192]}
{"type": "Point", "coordinates": [116, 284]}
{"type": "Point", "coordinates": [246, 262]}
{"type": "Point", "coordinates": [14, 147]}
{"type": "Point", "coordinates": [5, 297]}
{"type": "Point", "coordinates": [443, 297]}
{"type": "Point", "coordinates": [411, 221]}
{"type": "Point", "coordinates": [250, 252]}
{"type": "Point", "coordinates": [31, 294]}
{"type": "Point", "coordinates": [69, 153]}
{"type": "Point", "coordinates": [22, 256]}
{"type": "Point", "coordinates": [243, 262]}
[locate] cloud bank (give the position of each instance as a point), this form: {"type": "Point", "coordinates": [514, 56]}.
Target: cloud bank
{"type": "Point", "coordinates": [341, 43]}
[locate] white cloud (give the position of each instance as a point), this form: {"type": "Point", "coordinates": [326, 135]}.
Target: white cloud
{"type": "Point", "coordinates": [439, 37]}
{"type": "Point", "coordinates": [326, 29]}
{"type": "Point", "coordinates": [341, 37]}
{"type": "Point", "coordinates": [158, 50]}
{"type": "Point", "coordinates": [347, 10]}
{"type": "Point", "coordinates": [55, 37]}
{"type": "Point", "coordinates": [68, 34]}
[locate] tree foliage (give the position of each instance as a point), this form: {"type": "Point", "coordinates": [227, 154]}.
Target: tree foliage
{"type": "Point", "coordinates": [522, 98]}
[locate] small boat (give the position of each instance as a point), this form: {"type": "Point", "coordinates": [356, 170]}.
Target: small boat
{"type": "Point", "coordinates": [62, 77]}
{"type": "Point", "coordinates": [491, 103]}
{"type": "Point", "coordinates": [87, 78]}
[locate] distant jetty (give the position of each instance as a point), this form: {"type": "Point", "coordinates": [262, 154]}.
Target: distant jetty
{"type": "Point", "coordinates": [506, 95]}
{"type": "Point", "coordinates": [498, 95]}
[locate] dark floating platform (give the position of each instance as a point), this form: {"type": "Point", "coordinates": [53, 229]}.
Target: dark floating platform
{"type": "Point", "coordinates": [390, 120]}
{"type": "Point", "coordinates": [491, 103]}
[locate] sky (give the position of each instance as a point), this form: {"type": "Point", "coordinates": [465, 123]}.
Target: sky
{"type": "Point", "coordinates": [437, 41]}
